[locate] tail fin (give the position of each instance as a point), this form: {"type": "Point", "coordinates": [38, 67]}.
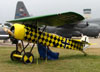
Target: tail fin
{"type": "Point", "coordinates": [85, 40]}
{"type": "Point", "coordinates": [21, 10]}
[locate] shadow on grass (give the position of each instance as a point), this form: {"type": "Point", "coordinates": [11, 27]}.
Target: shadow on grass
{"type": "Point", "coordinates": [79, 57]}
{"type": "Point", "coordinates": [14, 62]}
{"type": "Point", "coordinates": [20, 62]}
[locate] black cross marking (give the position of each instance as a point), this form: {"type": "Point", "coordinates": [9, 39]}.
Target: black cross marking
{"type": "Point", "coordinates": [65, 43]}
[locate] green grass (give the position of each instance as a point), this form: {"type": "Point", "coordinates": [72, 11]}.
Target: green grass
{"type": "Point", "coordinates": [69, 61]}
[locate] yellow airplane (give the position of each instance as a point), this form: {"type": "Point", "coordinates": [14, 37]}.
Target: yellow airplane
{"type": "Point", "coordinates": [27, 29]}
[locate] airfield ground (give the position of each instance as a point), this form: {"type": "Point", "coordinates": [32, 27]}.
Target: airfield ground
{"type": "Point", "coordinates": [69, 60]}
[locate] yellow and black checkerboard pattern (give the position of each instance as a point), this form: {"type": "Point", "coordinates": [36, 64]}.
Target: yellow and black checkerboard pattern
{"type": "Point", "coordinates": [52, 40]}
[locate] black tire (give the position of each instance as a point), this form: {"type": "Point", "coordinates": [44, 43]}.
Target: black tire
{"type": "Point", "coordinates": [15, 58]}
{"type": "Point", "coordinates": [28, 58]}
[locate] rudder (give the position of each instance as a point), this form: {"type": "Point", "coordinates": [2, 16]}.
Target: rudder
{"type": "Point", "coordinates": [21, 10]}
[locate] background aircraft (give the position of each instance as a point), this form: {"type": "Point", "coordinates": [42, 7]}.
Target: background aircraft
{"type": "Point", "coordinates": [20, 13]}
{"type": "Point", "coordinates": [89, 27]}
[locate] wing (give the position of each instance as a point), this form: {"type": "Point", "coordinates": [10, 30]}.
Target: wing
{"type": "Point", "coordinates": [51, 20]}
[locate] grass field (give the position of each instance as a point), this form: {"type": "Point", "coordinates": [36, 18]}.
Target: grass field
{"type": "Point", "coordinates": [69, 61]}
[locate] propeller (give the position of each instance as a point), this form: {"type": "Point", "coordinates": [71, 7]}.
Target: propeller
{"type": "Point", "coordinates": [11, 35]}
{"type": "Point", "coordinates": [8, 31]}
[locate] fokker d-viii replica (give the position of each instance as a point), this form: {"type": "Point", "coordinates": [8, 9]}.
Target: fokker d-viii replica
{"type": "Point", "coordinates": [27, 29]}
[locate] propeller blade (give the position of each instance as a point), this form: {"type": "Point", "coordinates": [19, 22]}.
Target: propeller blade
{"type": "Point", "coordinates": [8, 31]}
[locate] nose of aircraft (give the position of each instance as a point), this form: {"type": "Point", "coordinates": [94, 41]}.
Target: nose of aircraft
{"type": "Point", "coordinates": [18, 31]}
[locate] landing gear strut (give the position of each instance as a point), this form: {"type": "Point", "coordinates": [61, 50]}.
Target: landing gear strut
{"type": "Point", "coordinates": [26, 57]}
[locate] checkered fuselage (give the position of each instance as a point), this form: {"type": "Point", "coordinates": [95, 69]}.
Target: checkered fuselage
{"type": "Point", "coordinates": [52, 40]}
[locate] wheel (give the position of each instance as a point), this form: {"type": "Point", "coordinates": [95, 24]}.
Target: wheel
{"type": "Point", "coordinates": [28, 58]}
{"type": "Point", "coordinates": [15, 58]}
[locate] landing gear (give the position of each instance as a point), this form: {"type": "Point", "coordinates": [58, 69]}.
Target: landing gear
{"type": "Point", "coordinates": [15, 56]}
{"type": "Point", "coordinates": [25, 57]}
{"type": "Point", "coordinates": [28, 58]}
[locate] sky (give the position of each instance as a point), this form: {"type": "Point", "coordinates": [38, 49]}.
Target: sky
{"type": "Point", "coordinates": [44, 7]}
